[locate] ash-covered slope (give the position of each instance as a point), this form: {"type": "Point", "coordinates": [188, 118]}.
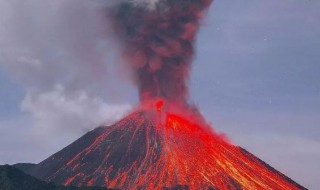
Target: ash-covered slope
{"type": "Point", "coordinates": [145, 151]}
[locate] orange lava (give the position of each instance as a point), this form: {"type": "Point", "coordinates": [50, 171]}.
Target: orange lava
{"type": "Point", "coordinates": [159, 105]}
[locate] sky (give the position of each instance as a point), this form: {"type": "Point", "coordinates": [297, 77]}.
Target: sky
{"type": "Point", "coordinates": [256, 78]}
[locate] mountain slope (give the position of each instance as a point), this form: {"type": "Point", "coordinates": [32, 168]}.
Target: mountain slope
{"type": "Point", "coordinates": [149, 150]}
{"type": "Point", "coordinates": [12, 178]}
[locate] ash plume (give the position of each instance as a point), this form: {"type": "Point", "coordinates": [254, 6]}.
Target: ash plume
{"type": "Point", "coordinates": [158, 43]}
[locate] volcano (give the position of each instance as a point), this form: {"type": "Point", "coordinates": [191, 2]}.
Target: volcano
{"type": "Point", "coordinates": [165, 143]}
{"type": "Point", "coordinates": [153, 149]}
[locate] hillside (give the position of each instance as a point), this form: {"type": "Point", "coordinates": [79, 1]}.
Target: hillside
{"type": "Point", "coordinates": [12, 178]}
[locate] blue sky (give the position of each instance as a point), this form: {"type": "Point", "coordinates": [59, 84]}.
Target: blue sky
{"type": "Point", "coordinates": [256, 77]}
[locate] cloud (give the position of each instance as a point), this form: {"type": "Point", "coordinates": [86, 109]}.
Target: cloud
{"type": "Point", "coordinates": [59, 112]}
{"type": "Point", "coordinates": [61, 54]}
{"type": "Point", "coordinates": [60, 41]}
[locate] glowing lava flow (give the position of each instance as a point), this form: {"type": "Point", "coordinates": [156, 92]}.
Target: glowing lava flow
{"type": "Point", "coordinates": [143, 151]}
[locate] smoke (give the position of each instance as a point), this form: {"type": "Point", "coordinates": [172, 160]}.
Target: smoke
{"type": "Point", "coordinates": [158, 43]}
{"type": "Point", "coordinates": [59, 51]}
{"type": "Point", "coordinates": [62, 52]}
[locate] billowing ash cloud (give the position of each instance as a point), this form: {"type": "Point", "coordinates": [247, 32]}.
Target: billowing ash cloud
{"type": "Point", "coordinates": [157, 39]}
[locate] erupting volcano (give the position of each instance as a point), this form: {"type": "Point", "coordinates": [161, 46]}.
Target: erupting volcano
{"type": "Point", "coordinates": [165, 143]}
{"type": "Point", "coordinates": [153, 149]}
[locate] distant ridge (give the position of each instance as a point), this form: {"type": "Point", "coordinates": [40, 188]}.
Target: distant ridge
{"type": "Point", "coordinates": [25, 167]}
{"type": "Point", "coordinates": [12, 178]}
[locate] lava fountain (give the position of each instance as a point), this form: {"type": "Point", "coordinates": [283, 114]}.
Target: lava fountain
{"type": "Point", "coordinates": [165, 143]}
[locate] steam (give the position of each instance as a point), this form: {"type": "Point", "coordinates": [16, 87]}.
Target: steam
{"type": "Point", "coordinates": [158, 42]}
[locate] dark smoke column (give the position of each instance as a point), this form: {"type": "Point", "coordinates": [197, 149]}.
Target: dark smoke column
{"type": "Point", "coordinates": [158, 43]}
